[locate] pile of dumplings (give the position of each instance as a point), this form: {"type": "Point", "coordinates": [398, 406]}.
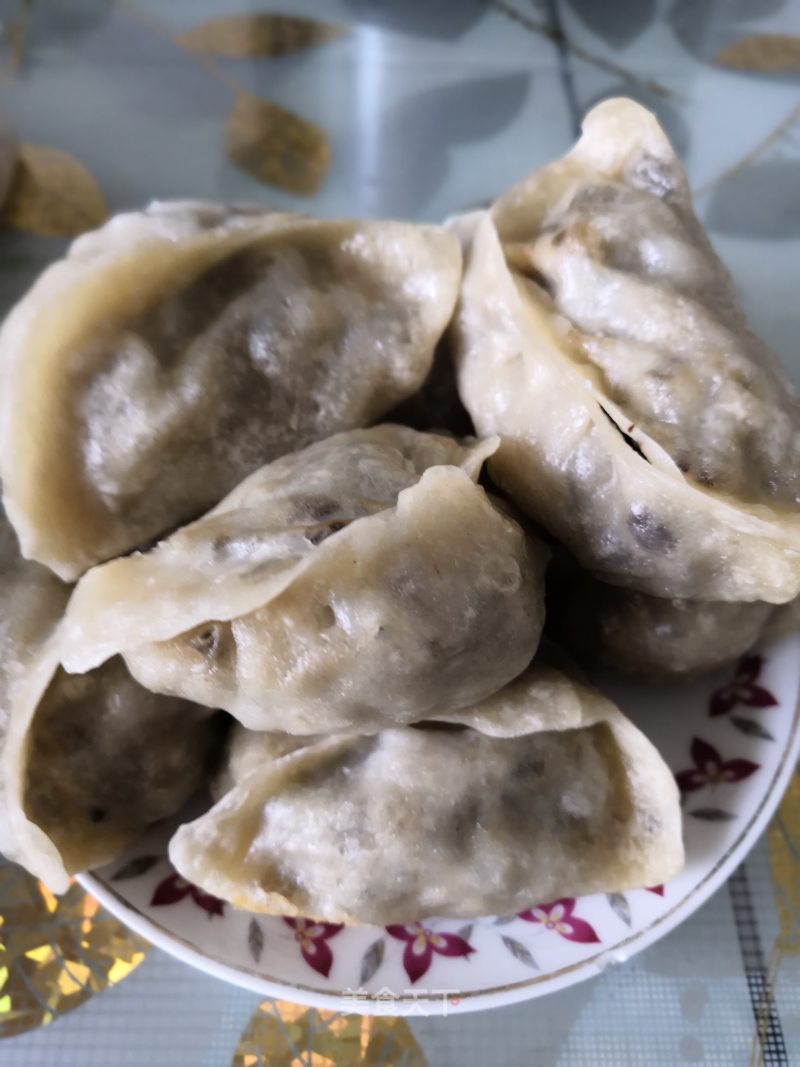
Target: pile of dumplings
{"type": "Point", "coordinates": [284, 501]}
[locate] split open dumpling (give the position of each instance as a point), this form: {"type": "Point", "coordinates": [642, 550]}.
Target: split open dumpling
{"type": "Point", "coordinates": [176, 350]}
{"type": "Point", "coordinates": [87, 762]}
{"type": "Point", "coordinates": [641, 422]}
{"type": "Point", "coordinates": [547, 791]}
{"type": "Point", "coordinates": [359, 583]}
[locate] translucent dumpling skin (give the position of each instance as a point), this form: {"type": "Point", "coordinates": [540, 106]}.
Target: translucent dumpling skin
{"type": "Point", "coordinates": [176, 350]}
{"type": "Point", "coordinates": [552, 793]}
{"type": "Point", "coordinates": [363, 577]}
{"type": "Point", "coordinates": [87, 761]}
{"type": "Point", "coordinates": [601, 338]}
{"type": "Point", "coordinates": [106, 759]}
{"type": "Point", "coordinates": [32, 601]}
{"type": "Point", "coordinates": [610, 232]}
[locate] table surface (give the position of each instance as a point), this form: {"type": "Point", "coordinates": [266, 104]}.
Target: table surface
{"type": "Point", "coordinates": [420, 109]}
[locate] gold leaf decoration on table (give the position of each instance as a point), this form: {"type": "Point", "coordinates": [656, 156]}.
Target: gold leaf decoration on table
{"type": "Point", "coordinates": [770, 53]}
{"type": "Point", "coordinates": [276, 146]}
{"type": "Point", "coordinates": [281, 1034]}
{"type": "Point", "coordinates": [784, 861]}
{"type": "Point", "coordinates": [52, 194]}
{"type": "Point", "coordinates": [55, 952]}
{"type": "Point", "coordinates": [239, 36]}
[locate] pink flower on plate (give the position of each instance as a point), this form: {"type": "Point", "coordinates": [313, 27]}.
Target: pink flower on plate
{"type": "Point", "coordinates": [313, 939]}
{"type": "Point", "coordinates": [174, 888]}
{"type": "Point", "coordinates": [742, 690]}
{"type": "Point", "coordinates": [710, 768]}
{"type": "Point", "coordinates": [558, 916]}
{"type": "Point", "coordinates": [422, 943]}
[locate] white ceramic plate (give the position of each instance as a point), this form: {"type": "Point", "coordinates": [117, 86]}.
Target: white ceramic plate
{"type": "Point", "coordinates": [732, 740]}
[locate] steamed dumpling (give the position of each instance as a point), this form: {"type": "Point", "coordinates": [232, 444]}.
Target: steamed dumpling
{"type": "Point", "coordinates": [605, 626]}
{"type": "Point", "coordinates": [176, 350]}
{"type": "Point", "coordinates": [101, 760]}
{"type": "Point", "coordinates": [87, 762]}
{"type": "Point", "coordinates": [566, 797]}
{"type": "Point", "coordinates": [32, 600]}
{"type": "Point", "coordinates": [359, 583]}
{"type": "Point", "coordinates": [641, 422]}
{"type": "Point", "coordinates": [247, 750]}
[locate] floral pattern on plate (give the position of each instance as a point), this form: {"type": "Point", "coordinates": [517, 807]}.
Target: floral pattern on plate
{"type": "Point", "coordinates": [730, 776]}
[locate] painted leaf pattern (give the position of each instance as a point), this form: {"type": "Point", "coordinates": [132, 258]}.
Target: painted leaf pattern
{"type": "Point", "coordinates": [767, 53]}
{"type": "Point", "coordinates": [253, 36]}
{"type": "Point", "coordinates": [620, 906]}
{"type": "Point", "coordinates": [520, 952]}
{"type": "Point", "coordinates": [711, 814]}
{"type": "Point", "coordinates": [52, 194]}
{"type": "Point", "coordinates": [372, 960]}
{"type": "Point", "coordinates": [750, 728]}
{"type": "Point", "coordinates": [255, 939]}
{"type": "Point", "coordinates": [276, 146]}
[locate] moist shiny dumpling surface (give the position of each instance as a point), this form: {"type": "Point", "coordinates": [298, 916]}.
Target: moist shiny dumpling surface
{"type": "Point", "coordinates": [571, 459]}
{"type": "Point", "coordinates": [176, 350]}
{"type": "Point", "coordinates": [641, 421]}
{"type": "Point", "coordinates": [251, 546]}
{"type": "Point", "coordinates": [651, 310]}
{"type": "Point", "coordinates": [428, 599]}
{"type": "Point", "coordinates": [390, 828]}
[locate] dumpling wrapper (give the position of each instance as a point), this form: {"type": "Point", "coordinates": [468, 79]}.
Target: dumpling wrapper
{"type": "Point", "coordinates": [176, 350]}
{"type": "Point", "coordinates": [32, 600]}
{"type": "Point", "coordinates": [360, 583]}
{"type": "Point", "coordinates": [248, 749]}
{"type": "Point", "coordinates": [641, 422]}
{"type": "Point", "coordinates": [93, 762]}
{"type": "Point", "coordinates": [87, 762]}
{"type": "Point", "coordinates": [616, 629]}
{"type": "Point", "coordinates": [411, 822]}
